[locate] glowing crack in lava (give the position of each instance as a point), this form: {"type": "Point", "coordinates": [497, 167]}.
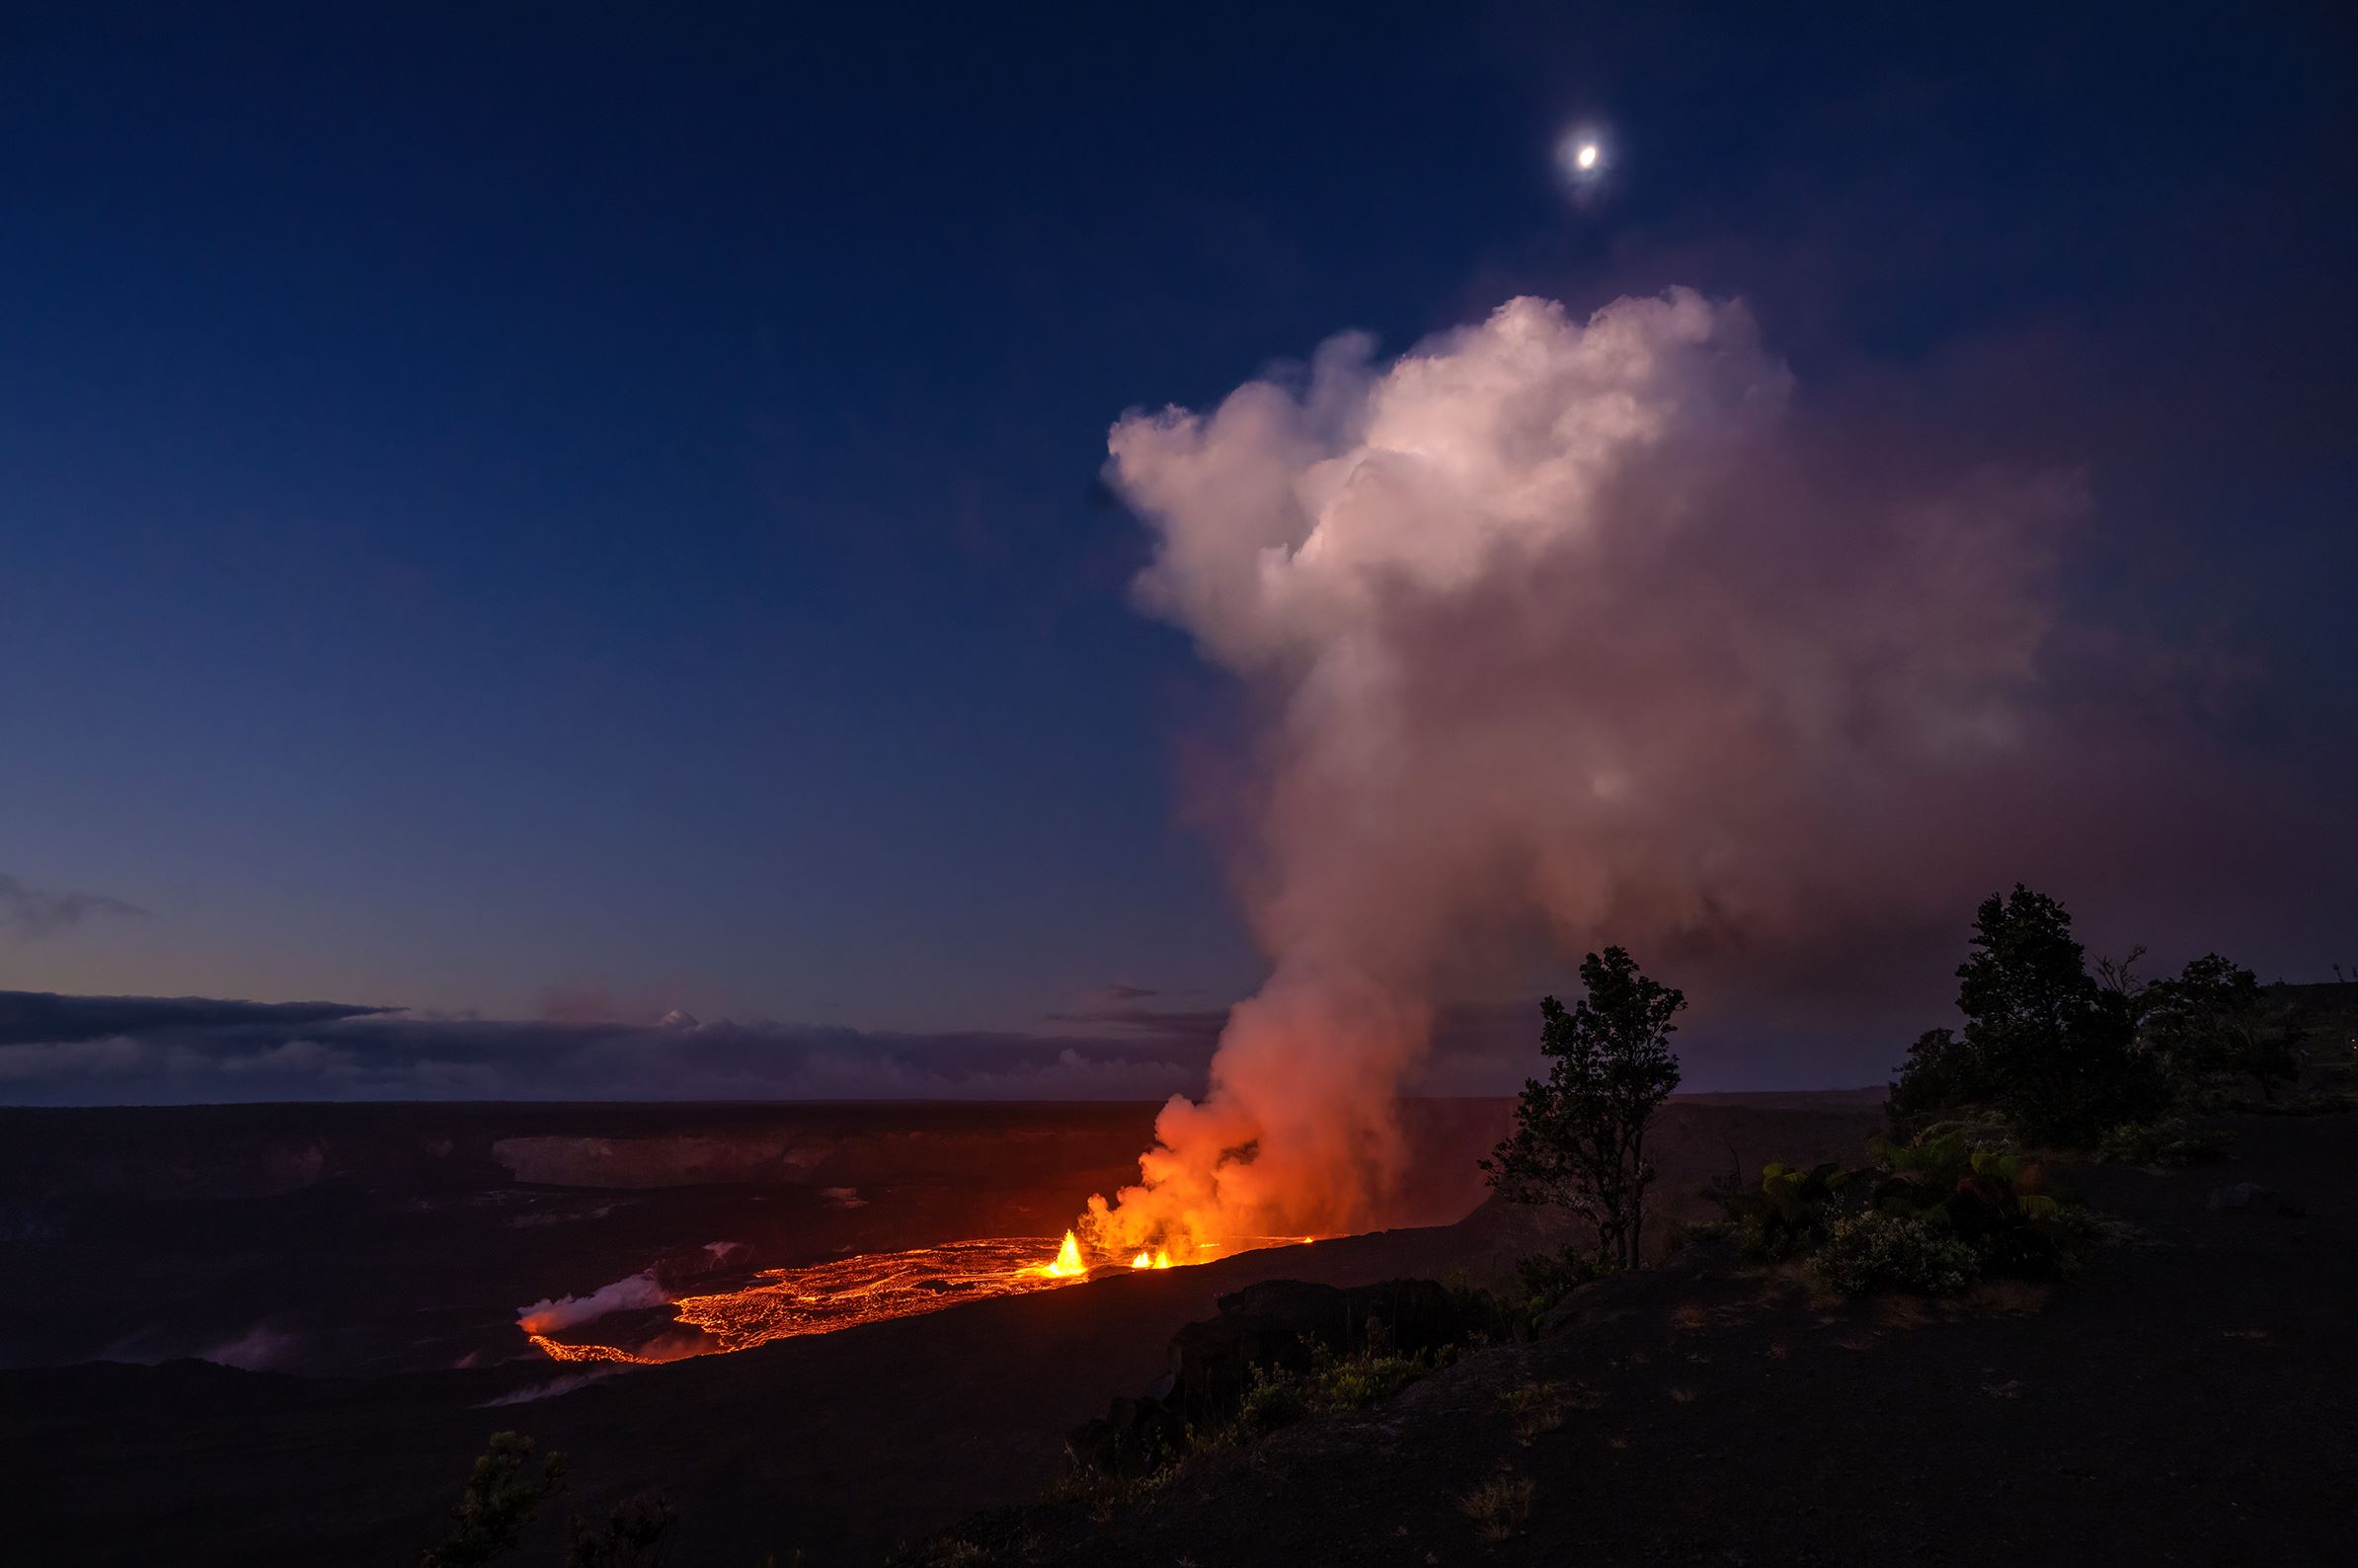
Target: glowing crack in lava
{"type": "Point", "coordinates": [784, 1303]}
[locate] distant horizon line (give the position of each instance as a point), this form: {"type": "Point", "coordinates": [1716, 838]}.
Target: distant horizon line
{"type": "Point", "coordinates": [1852, 1092]}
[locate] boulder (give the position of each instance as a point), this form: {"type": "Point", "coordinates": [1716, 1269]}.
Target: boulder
{"type": "Point", "coordinates": [1284, 1323]}
{"type": "Point", "coordinates": [2251, 1198]}
{"type": "Point", "coordinates": [1130, 1439]}
{"type": "Point", "coordinates": [1276, 1323]}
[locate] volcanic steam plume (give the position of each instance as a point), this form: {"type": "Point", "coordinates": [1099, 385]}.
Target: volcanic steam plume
{"type": "Point", "coordinates": [1554, 632]}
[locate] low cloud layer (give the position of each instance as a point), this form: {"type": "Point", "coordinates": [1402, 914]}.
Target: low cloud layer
{"type": "Point", "coordinates": [58, 1049]}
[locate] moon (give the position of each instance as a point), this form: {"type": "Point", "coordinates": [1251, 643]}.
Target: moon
{"type": "Point", "coordinates": [1583, 156]}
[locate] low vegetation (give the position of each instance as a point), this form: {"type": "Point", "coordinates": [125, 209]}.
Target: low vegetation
{"type": "Point", "coordinates": [1278, 1398]}
{"type": "Point", "coordinates": [2101, 1059]}
{"type": "Point", "coordinates": [1500, 1507]}
{"type": "Point", "coordinates": [1875, 1251]}
{"type": "Point", "coordinates": [505, 1493]}
{"type": "Point", "coordinates": [1931, 1214]}
{"type": "Point", "coordinates": [631, 1537]}
{"type": "Point", "coordinates": [1322, 1381]}
{"type": "Point", "coordinates": [1547, 1279]}
{"type": "Point", "coordinates": [1538, 1408]}
{"type": "Point", "coordinates": [1786, 1214]}
{"type": "Point", "coordinates": [2163, 1140]}
{"type": "Point", "coordinates": [1955, 1202]}
{"type": "Point", "coordinates": [2052, 1056]}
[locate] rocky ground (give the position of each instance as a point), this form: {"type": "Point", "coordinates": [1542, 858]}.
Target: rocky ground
{"type": "Point", "coordinates": [837, 1446]}
{"type": "Point", "coordinates": [2190, 1399]}
{"type": "Point", "coordinates": [2193, 1398]}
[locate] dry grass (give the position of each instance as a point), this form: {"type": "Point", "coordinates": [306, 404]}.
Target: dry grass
{"type": "Point", "coordinates": [1690, 1317]}
{"type": "Point", "coordinates": [1500, 1507]}
{"type": "Point", "coordinates": [1904, 1311]}
{"type": "Point", "coordinates": [1536, 1408]}
{"type": "Point", "coordinates": [1107, 1495]}
{"type": "Point", "coordinates": [2008, 1297]}
{"type": "Point", "coordinates": [1782, 1283]}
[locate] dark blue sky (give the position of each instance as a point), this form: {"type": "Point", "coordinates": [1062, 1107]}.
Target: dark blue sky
{"type": "Point", "coordinates": [520, 507]}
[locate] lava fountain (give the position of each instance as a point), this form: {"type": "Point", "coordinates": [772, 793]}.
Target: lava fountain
{"type": "Point", "coordinates": [1067, 1261]}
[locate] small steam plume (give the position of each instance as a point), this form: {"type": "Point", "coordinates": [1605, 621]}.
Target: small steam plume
{"type": "Point", "coordinates": [1555, 632]}
{"type": "Point", "coordinates": [562, 1313]}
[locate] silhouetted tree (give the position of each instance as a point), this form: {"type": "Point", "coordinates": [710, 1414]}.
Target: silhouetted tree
{"type": "Point", "coordinates": [500, 1499]}
{"type": "Point", "coordinates": [1580, 1137]}
{"type": "Point", "coordinates": [629, 1539]}
{"type": "Point", "coordinates": [1941, 1075]}
{"type": "Point", "coordinates": [2054, 1048]}
{"type": "Point", "coordinates": [2212, 1020]}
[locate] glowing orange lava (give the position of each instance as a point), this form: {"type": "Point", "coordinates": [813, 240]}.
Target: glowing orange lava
{"type": "Point", "coordinates": [559, 1351]}
{"type": "Point", "coordinates": [784, 1303]}
{"type": "Point", "coordinates": [1068, 1262]}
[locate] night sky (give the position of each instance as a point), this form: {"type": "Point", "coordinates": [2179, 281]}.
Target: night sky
{"type": "Point", "coordinates": [556, 514]}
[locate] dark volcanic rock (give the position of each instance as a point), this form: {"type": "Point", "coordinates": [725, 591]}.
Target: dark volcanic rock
{"type": "Point", "coordinates": [2187, 1397]}
{"type": "Point", "coordinates": [1615, 1296]}
{"type": "Point", "coordinates": [1272, 1324]}
{"type": "Point", "coordinates": [416, 1247]}
{"type": "Point", "coordinates": [1285, 1322]}
{"type": "Point", "coordinates": [2251, 1198]}
{"type": "Point", "coordinates": [1130, 1439]}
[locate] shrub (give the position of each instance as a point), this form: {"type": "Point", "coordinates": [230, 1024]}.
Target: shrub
{"type": "Point", "coordinates": [1548, 1277]}
{"type": "Point", "coordinates": [1938, 1157]}
{"type": "Point", "coordinates": [2044, 1042]}
{"type": "Point", "coordinates": [1930, 1213]}
{"type": "Point", "coordinates": [948, 1553]}
{"type": "Point", "coordinates": [1941, 1073]}
{"type": "Point", "coordinates": [631, 1538]}
{"type": "Point", "coordinates": [1499, 1506]}
{"type": "Point", "coordinates": [2165, 1140]}
{"type": "Point", "coordinates": [1880, 1251]}
{"type": "Point", "coordinates": [1489, 1315]}
{"type": "Point", "coordinates": [1354, 1382]}
{"type": "Point", "coordinates": [1273, 1398]}
{"type": "Point", "coordinates": [1997, 1203]}
{"type": "Point", "coordinates": [1786, 1214]}
{"type": "Point", "coordinates": [1679, 1235]}
{"type": "Point", "coordinates": [1980, 1134]}
{"type": "Point", "coordinates": [2211, 1031]}
{"type": "Point", "coordinates": [1535, 1408]}
{"type": "Point", "coordinates": [501, 1498]}
{"type": "Point", "coordinates": [2211, 1023]}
